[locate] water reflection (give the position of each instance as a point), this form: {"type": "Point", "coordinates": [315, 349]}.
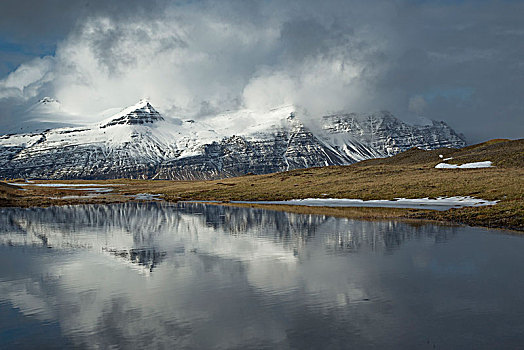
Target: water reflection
{"type": "Point", "coordinates": [143, 257]}
{"type": "Point", "coordinates": [148, 225]}
{"type": "Point", "coordinates": [192, 275]}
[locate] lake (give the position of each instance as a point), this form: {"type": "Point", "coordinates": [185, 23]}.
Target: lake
{"type": "Point", "coordinates": [197, 276]}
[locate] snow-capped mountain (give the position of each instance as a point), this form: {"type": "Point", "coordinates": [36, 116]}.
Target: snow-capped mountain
{"type": "Point", "coordinates": [45, 114]}
{"type": "Point", "coordinates": [138, 142]}
{"type": "Point", "coordinates": [388, 135]}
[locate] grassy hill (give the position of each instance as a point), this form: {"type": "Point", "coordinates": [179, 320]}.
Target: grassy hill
{"type": "Point", "coordinates": [411, 174]}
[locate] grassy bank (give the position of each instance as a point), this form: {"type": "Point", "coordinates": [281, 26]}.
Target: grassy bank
{"type": "Point", "coordinates": [411, 174]}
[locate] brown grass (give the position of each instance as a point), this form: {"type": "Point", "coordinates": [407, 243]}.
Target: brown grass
{"type": "Point", "coordinates": [507, 215]}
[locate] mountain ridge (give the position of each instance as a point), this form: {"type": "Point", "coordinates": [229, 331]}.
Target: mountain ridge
{"type": "Point", "coordinates": [138, 142]}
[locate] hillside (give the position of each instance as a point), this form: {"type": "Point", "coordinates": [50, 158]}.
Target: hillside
{"type": "Point", "coordinates": [503, 153]}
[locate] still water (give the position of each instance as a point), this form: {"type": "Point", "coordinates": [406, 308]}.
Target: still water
{"type": "Point", "coordinates": [159, 275]}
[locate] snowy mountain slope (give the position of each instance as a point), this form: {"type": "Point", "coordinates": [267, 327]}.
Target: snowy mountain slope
{"type": "Point", "coordinates": [388, 135]}
{"type": "Point", "coordinates": [115, 148]}
{"type": "Point", "coordinates": [45, 114]}
{"type": "Point", "coordinates": [138, 142]}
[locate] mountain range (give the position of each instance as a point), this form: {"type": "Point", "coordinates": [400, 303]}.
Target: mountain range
{"type": "Point", "coordinates": [139, 142]}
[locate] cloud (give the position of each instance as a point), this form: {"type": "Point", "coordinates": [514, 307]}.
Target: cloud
{"type": "Point", "coordinates": [459, 62]}
{"type": "Point", "coordinates": [319, 85]}
{"type": "Point", "coordinates": [194, 56]}
{"type": "Point", "coordinates": [28, 79]}
{"type": "Point", "coordinates": [179, 61]}
{"type": "Point", "coordinates": [267, 91]}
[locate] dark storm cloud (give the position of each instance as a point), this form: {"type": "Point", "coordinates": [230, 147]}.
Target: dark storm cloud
{"type": "Point", "coordinates": [459, 61]}
{"type": "Point", "coordinates": [35, 20]}
{"type": "Point", "coordinates": [472, 46]}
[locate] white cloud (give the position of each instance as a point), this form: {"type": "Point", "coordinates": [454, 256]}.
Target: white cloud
{"type": "Point", "coordinates": [194, 59]}
{"type": "Point", "coordinates": [28, 79]}
{"type": "Point", "coordinates": [179, 61]}
{"type": "Point", "coordinates": [269, 90]}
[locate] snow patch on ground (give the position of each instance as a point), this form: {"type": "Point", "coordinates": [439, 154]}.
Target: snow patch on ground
{"type": "Point", "coordinates": [147, 197]}
{"type": "Point", "coordinates": [92, 189]}
{"type": "Point", "coordinates": [96, 188]}
{"type": "Point", "coordinates": [76, 197]}
{"type": "Point", "coordinates": [440, 203]}
{"type": "Point", "coordinates": [444, 159]}
{"type": "Point", "coordinates": [476, 165]}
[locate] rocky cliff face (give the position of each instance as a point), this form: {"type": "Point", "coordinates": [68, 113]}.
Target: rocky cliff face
{"type": "Point", "coordinates": [389, 136]}
{"type": "Point", "coordinates": [139, 143]}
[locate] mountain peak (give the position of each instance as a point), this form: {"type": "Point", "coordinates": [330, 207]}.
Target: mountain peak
{"type": "Point", "coordinates": [45, 105]}
{"type": "Point", "coordinates": [48, 100]}
{"type": "Point", "coordinates": [140, 113]}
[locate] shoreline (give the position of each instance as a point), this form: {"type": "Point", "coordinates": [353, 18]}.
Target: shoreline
{"type": "Point", "coordinates": [368, 214]}
{"type": "Point", "coordinates": [447, 217]}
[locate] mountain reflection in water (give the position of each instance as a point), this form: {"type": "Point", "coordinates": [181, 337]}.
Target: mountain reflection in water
{"type": "Point", "coordinates": [204, 276]}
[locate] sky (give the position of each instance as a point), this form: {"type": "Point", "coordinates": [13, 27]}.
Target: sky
{"type": "Point", "coordinates": [457, 61]}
